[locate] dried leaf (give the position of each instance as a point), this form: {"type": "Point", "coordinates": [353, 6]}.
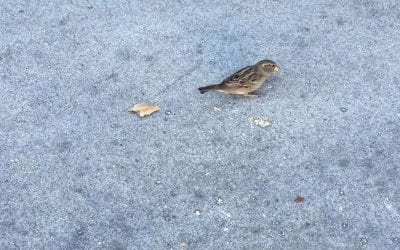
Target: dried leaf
{"type": "Point", "coordinates": [144, 109]}
{"type": "Point", "coordinates": [259, 122]}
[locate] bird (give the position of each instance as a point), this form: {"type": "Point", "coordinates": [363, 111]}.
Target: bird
{"type": "Point", "coordinates": [246, 80]}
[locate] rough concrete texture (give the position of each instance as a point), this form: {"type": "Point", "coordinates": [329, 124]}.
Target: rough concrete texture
{"type": "Point", "coordinates": [78, 171]}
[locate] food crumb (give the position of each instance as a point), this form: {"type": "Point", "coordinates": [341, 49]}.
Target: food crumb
{"type": "Point", "coordinates": [216, 109]}
{"type": "Point", "coordinates": [259, 122]}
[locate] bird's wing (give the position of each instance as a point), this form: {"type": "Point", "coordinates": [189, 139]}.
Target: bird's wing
{"type": "Point", "coordinates": [241, 78]}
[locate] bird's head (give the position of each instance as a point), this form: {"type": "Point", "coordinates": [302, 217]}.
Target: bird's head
{"type": "Point", "coordinates": [267, 66]}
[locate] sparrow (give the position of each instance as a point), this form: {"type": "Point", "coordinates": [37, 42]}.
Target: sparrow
{"type": "Point", "coordinates": [246, 80]}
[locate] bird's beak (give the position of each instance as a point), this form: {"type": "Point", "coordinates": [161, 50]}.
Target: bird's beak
{"type": "Point", "coordinates": [276, 68]}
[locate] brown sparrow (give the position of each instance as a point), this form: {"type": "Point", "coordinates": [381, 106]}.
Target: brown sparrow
{"type": "Point", "coordinates": [246, 80]}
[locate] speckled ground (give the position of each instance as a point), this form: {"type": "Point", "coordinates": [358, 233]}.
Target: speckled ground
{"type": "Point", "coordinates": [79, 172]}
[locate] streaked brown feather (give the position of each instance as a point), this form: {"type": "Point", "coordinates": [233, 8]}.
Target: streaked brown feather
{"type": "Point", "coordinates": [245, 80]}
{"type": "Point", "coordinates": [240, 78]}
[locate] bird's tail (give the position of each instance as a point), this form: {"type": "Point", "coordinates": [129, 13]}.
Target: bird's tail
{"type": "Point", "coordinates": [209, 88]}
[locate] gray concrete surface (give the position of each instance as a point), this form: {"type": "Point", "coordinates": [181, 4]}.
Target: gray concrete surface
{"type": "Point", "coordinates": [79, 172]}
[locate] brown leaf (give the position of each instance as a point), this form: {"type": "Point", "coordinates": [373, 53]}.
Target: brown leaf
{"type": "Point", "coordinates": [144, 109]}
{"type": "Point", "coordinates": [299, 199]}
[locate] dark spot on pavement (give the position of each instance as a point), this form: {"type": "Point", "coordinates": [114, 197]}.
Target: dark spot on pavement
{"type": "Point", "coordinates": [198, 194]}
{"type": "Point", "coordinates": [340, 21]}
{"type": "Point", "coordinates": [64, 146]}
{"type": "Point", "coordinates": [116, 245]}
{"type": "Point", "coordinates": [299, 199]}
{"type": "Point", "coordinates": [149, 58]}
{"type": "Point", "coordinates": [63, 21]}
{"type": "Point", "coordinates": [344, 162]}
{"type": "Point", "coordinates": [126, 55]}
{"type": "Point", "coordinates": [199, 49]}
{"type": "Point", "coordinates": [301, 43]}
{"type": "Point", "coordinates": [167, 216]}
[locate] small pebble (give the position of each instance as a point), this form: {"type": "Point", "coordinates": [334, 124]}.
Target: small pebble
{"type": "Point", "coordinates": [216, 109]}
{"type": "Point", "coordinates": [363, 241]}
{"type": "Point", "coordinates": [251, 198]}
{"type": "Point", "coordinates": [184, 244]}
{"type": "Point", "coordinates": [275, 222]}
